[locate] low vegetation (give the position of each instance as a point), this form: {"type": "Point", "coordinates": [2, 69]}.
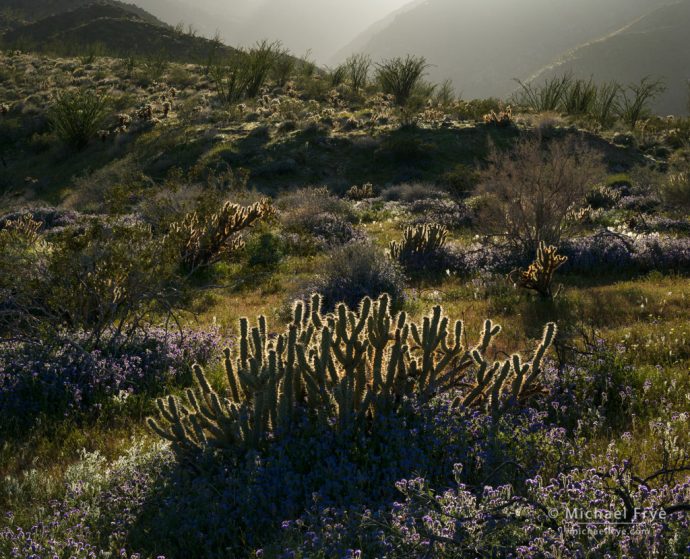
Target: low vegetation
{"type": "Point", "coordinates": [226, 293]}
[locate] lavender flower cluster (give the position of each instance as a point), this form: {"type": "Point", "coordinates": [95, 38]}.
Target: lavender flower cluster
{"type": "Point", "coordinates": [603, 252]}
{"type": "Point", "coordinates": [64, 378]}
{"type": "Point", "coordinates": [442, 211]}
{"type": "Point", "coordinates": [584, 513]}
{"type": "Point", "coordinates": [643, 253]}
{"type": "Point", "coordinates": [100, 503]}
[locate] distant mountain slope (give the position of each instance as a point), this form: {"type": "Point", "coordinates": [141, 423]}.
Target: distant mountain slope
{"type": "Point", "coordinates": [482, 44]}
{"type": "Point", "coordinates": [207, 16]}
{"type": "Point", "coordinates": [320, 25]}
{"type": "Point", "coordinates": [35, 10]}
{"type": "Point", "coordinates": [656, 45]}
{"type": "Point", "coordinates": [117, 29]}
{"type": "Point", "coordinates": [359, 43]}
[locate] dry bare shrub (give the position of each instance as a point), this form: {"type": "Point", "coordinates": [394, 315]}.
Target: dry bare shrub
{"type": "Point", "coordinates": [536, 191]}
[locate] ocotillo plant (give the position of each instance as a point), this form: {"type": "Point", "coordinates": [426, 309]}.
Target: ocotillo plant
{"type": "Point", "coordinates": [419, 245]}
{"type": "Point", "coordinates": [341, 370]}
{"type": "Point", "coordinates": [206, 241]}
{"type": "Point", "coordinates": [539, 276]}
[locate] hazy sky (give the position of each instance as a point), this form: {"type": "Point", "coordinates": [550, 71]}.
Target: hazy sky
{"type": "Point", "coordinates": [324, 26]}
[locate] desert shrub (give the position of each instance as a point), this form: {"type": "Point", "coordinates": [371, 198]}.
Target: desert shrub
{"type": "Point", "coordinates": [580, 97]}
{"type": "Point", "coordinates": [635, 100]}
{"type": "Point", "coordinates": [317, 218]}
{"type": "Point", "coordinates": [444, 95]}
{"type": "Point", "coordinates": [544, 97]}
{"type": "Point", "coordinates": [243, 76]}
{"type": "Point", "coordinates": [399, 76]}
{"type": "Point", "coordinates": [676, 190]}
{"type": "Point", "coordinates": [113, 275]}
{"type": "Point", "coordinates": [283, 68]}
{"type": "Point", "coordinates": [355, 271]}
{"type": "Point", "coordinates": [460, 181]}
{"type": "Point", "coordinates": [477, 108]}
{"type": "Point", "coordinates": [153, 67]}
{"type": "Point", "coordinates": [602, 197]}
{"type": "Point", "coordinates": [357, 70]}
{"type": "Point", "coordinates": [449, 213]}
{"type": "Point", "coordinates": [24, 261]}
{"type": "Point", "coordinates": [265, 250]}
{"type": "Point", "coordinates": [606, 105]}
{"type": "Point", "coordinates": [337, 75]}
{"type": "Point", "coordinates": [76, 116]}
{"type": "Point", "coordinates": [644, 203]}
{"type": "Point", "coordinates": [100, 276]}
{"type": "Point", "coordinates": [411, 192]}
{"type": "Point", "coordinates": [537, 190]}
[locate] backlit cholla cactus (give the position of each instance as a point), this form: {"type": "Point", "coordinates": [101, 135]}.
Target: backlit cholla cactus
{"type": "Point", "coordinates": [145, 113]}
{"type": "Point", "coordinates": [502, 119]}
{"type": "Point", "coordinates": [361, 192]}
{"type": "Point", "coordinates": [342, 370]}
{"type": "Point", "coordinates": [419, 243]}
{"type": "Point", "coordinates": [24, 227]}
{"type": "Point", "coordinates": [539, 276]}
{"type": "Point", "coordinates": [206, 241]}
{"type": "Point", "coordinates": [124, 120]}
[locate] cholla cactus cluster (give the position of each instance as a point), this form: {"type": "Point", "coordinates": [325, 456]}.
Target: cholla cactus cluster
{"type": "Point", "coordinates": [539, 276]}
{"type": "Point", "coordinates": [123, 121]}
{"type": "Point", "coordinates": [342, 370]}
{"type": "Point", "coordinates": [419, 242]}
{"type": "Point", "coordinates": [501, 119]}
{"type": "Point", "coordinates": [361, 192]}
{"type": "Point", "coordinates": [24, 227]}
{"type": "Point", "coordinates": [145, 113]}
{"type": "Point", "coordinates": [205, 241]}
